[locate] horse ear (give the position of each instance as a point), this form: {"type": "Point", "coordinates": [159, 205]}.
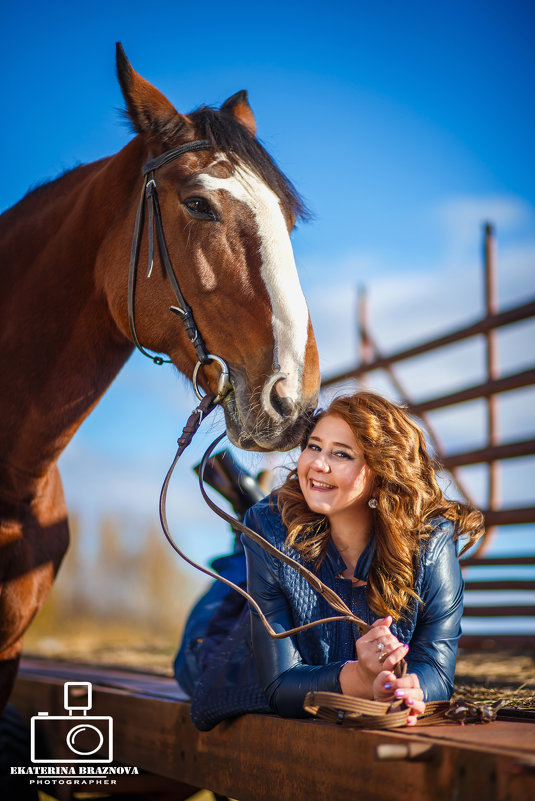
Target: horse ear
{"type": "Point", "coordinates": [150, 112]}
{"type": "Point", "coordinates": [238, 106]}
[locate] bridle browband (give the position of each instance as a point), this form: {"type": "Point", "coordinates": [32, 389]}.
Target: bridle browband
{"type": "Point", "coordinates": [182, 309]}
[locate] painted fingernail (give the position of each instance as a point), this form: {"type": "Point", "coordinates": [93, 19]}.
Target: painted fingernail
{"type": "Point", "coordinates": [387, 686]}
{"type": "Point", "coordinates": [405, 646]}
{"type": "Point", "coordinates": [400, 693]}
{"type": "Point", "coordinates": [409, 701]}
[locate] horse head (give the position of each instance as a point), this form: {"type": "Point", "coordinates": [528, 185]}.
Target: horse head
{"type": "Point", "coordinates": [227, 212]}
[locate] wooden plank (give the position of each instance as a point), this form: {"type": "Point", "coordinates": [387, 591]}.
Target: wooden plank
{"type": "Point", "coordinates": [489, 561]}
{"type": "Point", "coordinates": [524, 378]}
{"type": "Point", "coordinates": [509, 516]}
{"type": "Point", "coordinates": [499, 611]}
{"type": "Point", "coordinates": [507, 450]}
{"type": "Point", "coordinates": [493, 642]}
{"type": "Point", "coordinates": [509, 584]}
{"type": "Point", "coordinates": [262, 758]}
{"type": "Point", "coordinates": [506, 317]}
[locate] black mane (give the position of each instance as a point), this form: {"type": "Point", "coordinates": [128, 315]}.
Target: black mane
{"type": "Point", "coordinates": [229, 136]}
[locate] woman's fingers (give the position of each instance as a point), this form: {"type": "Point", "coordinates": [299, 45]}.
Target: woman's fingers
{"type": "Point", "coordinates": [408, 690]}
{"type": "Point", "coordinates": [412, 694]}
{"type": "Point", "coordinates": [384, 685]}
{"type": "Point", "coordinates": [408, 682]}
{"type": "Point", "coordinates": [393, 657]}
{"type": "Point", "coordinates": [382, 621]}
{"type": "Point", "coordinates": [417, 708]}
{"type": "Point", "coordinates": [387, 687]}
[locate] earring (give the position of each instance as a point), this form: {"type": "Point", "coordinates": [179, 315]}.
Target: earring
{"type": "Point", "coordinates": [372, 503]}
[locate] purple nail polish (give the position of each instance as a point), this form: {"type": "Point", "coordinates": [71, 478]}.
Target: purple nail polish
{"type": "Point", "coordinates": [387, 686]}
{"type": "Point", "coordinates": [409, 701]}
{"type": "Point", "coordinates": [400, 693]}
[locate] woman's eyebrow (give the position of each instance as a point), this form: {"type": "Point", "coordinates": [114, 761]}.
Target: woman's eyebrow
{"type": "Point", "coordinates": [338, 444]}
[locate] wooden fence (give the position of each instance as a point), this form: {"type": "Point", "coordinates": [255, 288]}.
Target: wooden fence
{"type": "Point", "coordinates": [491, 454]}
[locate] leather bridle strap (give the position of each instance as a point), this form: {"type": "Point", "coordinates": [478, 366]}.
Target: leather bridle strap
{"type": "Point", "coordinates": [150, 195]}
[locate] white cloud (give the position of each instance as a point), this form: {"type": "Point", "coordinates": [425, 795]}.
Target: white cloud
{"type": "Point", "coordinates": [461, 216]}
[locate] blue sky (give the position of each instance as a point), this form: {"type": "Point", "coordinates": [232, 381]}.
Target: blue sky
{"type": "Point", "coordinates": [404, 125]}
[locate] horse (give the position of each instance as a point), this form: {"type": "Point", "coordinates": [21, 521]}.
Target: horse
{"type": "Point", "coordinates": [72, 310]}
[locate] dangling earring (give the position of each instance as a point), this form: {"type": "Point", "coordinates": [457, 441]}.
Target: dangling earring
{"type": "Point", "coordinates": [372, 503]}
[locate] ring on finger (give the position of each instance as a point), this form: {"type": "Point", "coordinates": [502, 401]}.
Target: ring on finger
{"type": "Point", "coordinates": [380, 646]}
{"type": "Point", "coordinates": [383, 657]}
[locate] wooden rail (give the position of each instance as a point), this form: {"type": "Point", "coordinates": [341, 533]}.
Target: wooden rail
{"type": "Point", "coordinates": [267, 758]}
{"type": "Point", "coordinates": [472, 561]}
{"type": "Point", "coordinates": [525, 378]}
{"type": "Point", "coordinates": [496, 610]}
{"type": "Point", "coordinates": [507, 450]}
{"type": "Point", "coordinates": [507, 317]}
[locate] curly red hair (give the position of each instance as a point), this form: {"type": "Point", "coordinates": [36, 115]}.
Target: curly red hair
{"type": "Point", "coordinates": [406, 491]}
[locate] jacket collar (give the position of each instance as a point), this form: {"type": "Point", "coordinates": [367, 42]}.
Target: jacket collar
{"type": "Point", "coordinates": [364, 562]}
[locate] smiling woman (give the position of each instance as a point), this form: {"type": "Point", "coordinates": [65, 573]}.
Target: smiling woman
{"type": "Point", "coordinates": [362, 510]}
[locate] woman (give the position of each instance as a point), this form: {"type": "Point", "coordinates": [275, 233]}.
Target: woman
{"type": "Point", "coordinates": [363, 510]}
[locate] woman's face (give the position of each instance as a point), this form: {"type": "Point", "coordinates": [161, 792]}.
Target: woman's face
{"type": "Point", "coordinates": [333, 476]}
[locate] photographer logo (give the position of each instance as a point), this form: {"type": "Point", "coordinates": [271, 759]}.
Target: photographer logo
{"type": "Point", "coordinates": [88, 738]}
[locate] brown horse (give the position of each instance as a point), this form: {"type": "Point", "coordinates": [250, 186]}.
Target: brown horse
{"type": "Point", "coordinates": [227, 212]}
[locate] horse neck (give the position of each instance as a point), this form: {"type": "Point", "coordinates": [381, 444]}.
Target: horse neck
{"type": "Point", "coordinates": [61, 348]}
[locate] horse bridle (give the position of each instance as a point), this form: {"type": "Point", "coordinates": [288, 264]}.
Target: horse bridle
{"type": "Point", "coordinates": [149, 194]}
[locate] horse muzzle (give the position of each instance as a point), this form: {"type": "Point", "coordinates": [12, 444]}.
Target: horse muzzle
{"type": "Point", "coordinates": [265, 419]}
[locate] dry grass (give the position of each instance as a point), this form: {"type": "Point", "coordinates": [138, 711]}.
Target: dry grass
{"type": "Point", "coordinates": [480, 674]}
{"type": "Point", "coordinates": [493, 675]}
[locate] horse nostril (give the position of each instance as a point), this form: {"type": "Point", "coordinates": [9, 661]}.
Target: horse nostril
{"type": "Point", "coordinates": [276, 406]}
{"type": "Point", "coordinates": [284, 406]}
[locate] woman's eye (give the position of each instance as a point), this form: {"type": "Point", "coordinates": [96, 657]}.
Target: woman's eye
{"type": "Point", "coordinates": [312, 447]}
{"type": "Point", "coordinates": [343, 454]}
{"type": "Point", "coordinates": [200, 207]}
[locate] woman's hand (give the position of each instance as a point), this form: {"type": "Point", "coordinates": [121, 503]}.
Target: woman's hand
{"type": "Point", "coordinates": [387, 687]}
{"type": "Point", "coordinates": [377, 650]}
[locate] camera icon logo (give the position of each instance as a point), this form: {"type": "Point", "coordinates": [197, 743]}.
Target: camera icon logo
{"type": "Point", "coordinates": [84, 738]}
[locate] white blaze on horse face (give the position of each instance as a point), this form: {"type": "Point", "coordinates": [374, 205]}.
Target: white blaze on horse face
{"type": "Point", "coordinates": [279, 273]}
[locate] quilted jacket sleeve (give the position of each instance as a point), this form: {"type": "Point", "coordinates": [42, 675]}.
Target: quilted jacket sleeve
{"type": "Point", "coordinates": [433, 646]}
{"type": "Point", "coordinates": [284, 677]}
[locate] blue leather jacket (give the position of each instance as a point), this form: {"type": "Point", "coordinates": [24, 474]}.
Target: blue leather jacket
{"type": "Point", "coordinates": [312, 660]}
{"type": "Point", "coordinates": [230, 665]}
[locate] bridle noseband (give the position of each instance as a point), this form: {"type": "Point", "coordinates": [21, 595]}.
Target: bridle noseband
{"type": "Point", "coordinates": [182, 309]}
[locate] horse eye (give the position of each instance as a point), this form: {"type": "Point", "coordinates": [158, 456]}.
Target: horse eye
{"type": "Point", "coordinates": [200, 207]}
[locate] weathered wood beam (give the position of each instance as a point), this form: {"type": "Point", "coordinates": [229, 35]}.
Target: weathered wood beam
{"type": "Point", "coordinates": [266, 758]}
{"type": "Point", "coordinates": [506, 317]}
{"type": "Point", "coordinates": [507, 450]}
